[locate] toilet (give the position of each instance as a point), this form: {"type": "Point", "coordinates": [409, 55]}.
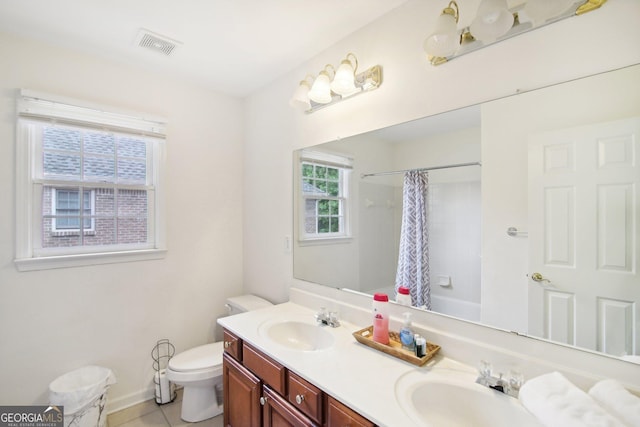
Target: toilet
{"type": "Point", "coordinates": [199, 370]}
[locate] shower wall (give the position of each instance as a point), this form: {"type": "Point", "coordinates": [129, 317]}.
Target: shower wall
{"type": "Point", "coordinates": [454, 248]}
{"type": "Point", "coordinates": [454, 217]}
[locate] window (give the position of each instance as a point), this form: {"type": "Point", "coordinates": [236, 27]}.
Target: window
{"type": "Point", "coordinates": [324, 184]}
{"type": "Point", "coordinates": [89, 186]}
{"type": "Point", "coordinates": [66, 213]}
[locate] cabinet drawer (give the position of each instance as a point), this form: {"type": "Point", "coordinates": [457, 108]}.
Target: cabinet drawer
{"type": "Point", "coordinates": [339, 415]}
{"type": "Point", "coordinates": [278, 412]}
{"type": "Point", "coordinates": [270, 371]}
{"type": "Point", "coordinates": [232, 345]}
{"type": "Point", "coordinates": [306, 397]}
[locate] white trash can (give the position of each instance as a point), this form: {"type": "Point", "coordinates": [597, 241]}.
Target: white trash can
{"type": "Point", "coordinates": [83, 393]}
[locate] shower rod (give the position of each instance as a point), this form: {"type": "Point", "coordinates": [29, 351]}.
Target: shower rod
{"type": "Point", "coordinates": [457, 165]}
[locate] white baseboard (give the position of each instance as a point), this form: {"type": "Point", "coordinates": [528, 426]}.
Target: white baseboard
{"type": "Point", "coordinates": [123, 402]}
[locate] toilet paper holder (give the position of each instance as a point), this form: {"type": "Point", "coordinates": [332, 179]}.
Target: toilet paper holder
{"type": "Point", "coordinates": [161, 353]}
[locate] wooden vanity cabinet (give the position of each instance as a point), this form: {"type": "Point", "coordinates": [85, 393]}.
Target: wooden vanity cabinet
{"type": "Point", "coordinates": [308, 398]}
{"type": "Point", "coordinates": [278, 412]}
{"type": "Point", "coordinates": [258, 391]}
{"type": "Point", "coordinates": [242, 392]}
{"type": "Point", "coordinates": [232, 345]}
{"type": "Point", "coordinates": [268, 370]}
{"type": "Point", "coordinates": [339, 415]}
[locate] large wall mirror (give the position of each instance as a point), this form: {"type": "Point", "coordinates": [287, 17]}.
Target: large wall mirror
{"type": "Point", "coordinates": [541, 238]}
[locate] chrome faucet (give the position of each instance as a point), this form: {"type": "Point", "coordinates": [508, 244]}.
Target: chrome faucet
{"type": "Point", "coordinates": [327, 318]}
{"type": "Point", "coordinates": [510, 387]}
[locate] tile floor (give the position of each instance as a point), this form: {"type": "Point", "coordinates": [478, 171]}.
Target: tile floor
{"type": "Point", "coordinates": [149, 414]}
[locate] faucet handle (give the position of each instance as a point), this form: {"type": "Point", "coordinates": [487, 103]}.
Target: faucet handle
{"type": "Point", "coordinates": [333, 319]}
{"type": "Point", "coordinates": [516, 379]}
{"type": "Point", "coordinates": [321, 315]}
{"type": "Point", "coordinates": [484, 369]}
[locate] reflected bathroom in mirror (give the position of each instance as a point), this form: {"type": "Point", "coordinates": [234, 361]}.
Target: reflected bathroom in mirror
{"type": "Point", "coordinates": [559, 164]}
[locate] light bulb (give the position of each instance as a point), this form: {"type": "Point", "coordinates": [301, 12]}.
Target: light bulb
{"type": "Point", "coordinates": [444, 41]}
{"type": "Point", "coordinates": [539, 11]}
{"type": "Point", "coordinates": [493, 20]}
{"type": "Point", "coordinates": [321, 89]}
{"type": "Point", "coordinates": [300, 98]}
{"type": "Point", "coordinates": [343, 83]}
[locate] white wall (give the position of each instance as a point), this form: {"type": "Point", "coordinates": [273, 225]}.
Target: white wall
{"type": "Point", "coordinates": [112, 315]}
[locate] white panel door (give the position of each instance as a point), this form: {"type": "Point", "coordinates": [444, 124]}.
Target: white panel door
{"type": "Point", "coordinates": [584, 236]}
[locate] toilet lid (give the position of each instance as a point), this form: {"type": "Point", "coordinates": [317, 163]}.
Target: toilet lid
{"type": "Point", "coordinates": [202, 357]}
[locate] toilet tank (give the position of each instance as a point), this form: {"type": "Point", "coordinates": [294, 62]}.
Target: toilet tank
{"type": "Point", "coordinates": [244, 303]}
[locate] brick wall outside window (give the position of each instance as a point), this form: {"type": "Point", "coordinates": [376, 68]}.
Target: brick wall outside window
{"type": "Point", "coordinates": [131, 220]}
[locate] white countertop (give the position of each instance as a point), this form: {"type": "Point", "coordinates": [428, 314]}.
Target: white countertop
{"type": "Point", "coordinates": [359, 376]}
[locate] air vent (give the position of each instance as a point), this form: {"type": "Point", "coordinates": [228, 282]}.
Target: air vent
{"type": "Point", "coordinates": [156, 42]}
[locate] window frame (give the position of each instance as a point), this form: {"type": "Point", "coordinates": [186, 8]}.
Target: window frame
{"type": "Point", "coordinates": [344, 164]}
{"type": "Point", "coordinates": [54, 210]}
{"type": "Point", "coordinates": [37, 109]}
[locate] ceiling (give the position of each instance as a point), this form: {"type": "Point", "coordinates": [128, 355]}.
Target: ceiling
{"type": "Point", "coordinates": [232, 46]}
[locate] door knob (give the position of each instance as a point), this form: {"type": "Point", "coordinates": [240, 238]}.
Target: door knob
{"type": "Point", "coordinates": [537, 277]}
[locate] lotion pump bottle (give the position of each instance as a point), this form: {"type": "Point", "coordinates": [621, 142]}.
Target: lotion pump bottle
{"type": "Point", "coordinates": [403, 296]}
{"type": "Point", "coordinates": [406, 334]}
{"type": "Point", "coordinates": [381, 318]}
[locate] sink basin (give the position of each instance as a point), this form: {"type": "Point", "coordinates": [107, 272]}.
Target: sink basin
{"type": "Point", "coordinates": [299, 335]}
{"type": "Point", "coordinates": [443, 397]}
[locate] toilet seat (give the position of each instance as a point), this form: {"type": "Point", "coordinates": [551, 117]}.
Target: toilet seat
{"type": "Point", "coordinates": [199, 363]}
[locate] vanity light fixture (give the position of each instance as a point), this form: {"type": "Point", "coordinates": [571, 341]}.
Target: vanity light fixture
{"type": "Point", "coordinates": [445, 40]}
{"type": "Point", "coordinates": [344, 81]}
{"type": "Point", "coordinates": [495, 22]}
{"type": "Point", "coordinates": [492, 20]}
{"type": "Point", "coordinates": [300, 98]}
{"type": "Point", "coordinates": [333, 85]}
{"type": "Point", "coordinates": [321, 90]}
{"type": "Point", "coordinates": [541, 10]}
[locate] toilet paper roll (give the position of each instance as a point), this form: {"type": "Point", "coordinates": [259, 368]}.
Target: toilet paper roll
{"type": "Point", "coordinates": [164, 389]}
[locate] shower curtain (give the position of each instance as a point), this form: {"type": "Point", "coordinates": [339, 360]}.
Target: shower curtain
{"type": "Point", "coordinates": [413, 256]}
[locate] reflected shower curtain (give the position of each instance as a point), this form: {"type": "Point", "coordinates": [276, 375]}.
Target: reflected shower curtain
{"type": "Point", "coordinates": [413, 256]}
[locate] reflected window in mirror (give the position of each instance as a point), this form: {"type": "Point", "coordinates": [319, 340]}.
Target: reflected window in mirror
{"type": "Point", "coordinates": [324, 196]}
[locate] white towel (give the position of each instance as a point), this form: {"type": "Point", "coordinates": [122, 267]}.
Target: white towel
{"type": "Point", "coordinates": [616, 399]}
{"type": "Point", "coordinates": [631, 358]}
{"type": "Point", "coordinates": [556, 402]}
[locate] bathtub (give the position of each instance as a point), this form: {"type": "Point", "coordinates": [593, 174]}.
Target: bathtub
{"type": "Point", "coordinates": [455, 307]}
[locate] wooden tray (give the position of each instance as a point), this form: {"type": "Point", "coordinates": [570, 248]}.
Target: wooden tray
{"type": "Point", "coordinates": [394, 348]}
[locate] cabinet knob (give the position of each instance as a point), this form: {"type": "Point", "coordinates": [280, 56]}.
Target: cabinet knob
{"type": "Point", "coordinates": [263, 400]}
{"type": "Point", "coordinates": [299, 399]}
{"type": "Point", "coordinates": [227, 344]}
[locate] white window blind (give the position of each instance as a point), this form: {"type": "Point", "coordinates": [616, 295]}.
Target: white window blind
{"type": "Point", "coordinates": [51, 107]}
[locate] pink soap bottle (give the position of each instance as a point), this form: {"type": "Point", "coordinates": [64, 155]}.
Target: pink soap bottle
{"type": "Point", "coordinates": [381, 318]}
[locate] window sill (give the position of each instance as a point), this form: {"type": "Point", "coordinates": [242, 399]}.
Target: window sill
{"type": "Point", "coordinates": [325, 241]}
{"type": "Point", "coordinates": [80, 260]}
{"type": "Point", "coordinates": [73, 233]}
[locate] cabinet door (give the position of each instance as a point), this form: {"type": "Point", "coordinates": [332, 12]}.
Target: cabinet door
{"type": "Point", "coordinates": [339, 415]}
{"type": "Point", "coordinates": [277, 412]}
{"type": "Point", "coordinates": [241, 395]}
